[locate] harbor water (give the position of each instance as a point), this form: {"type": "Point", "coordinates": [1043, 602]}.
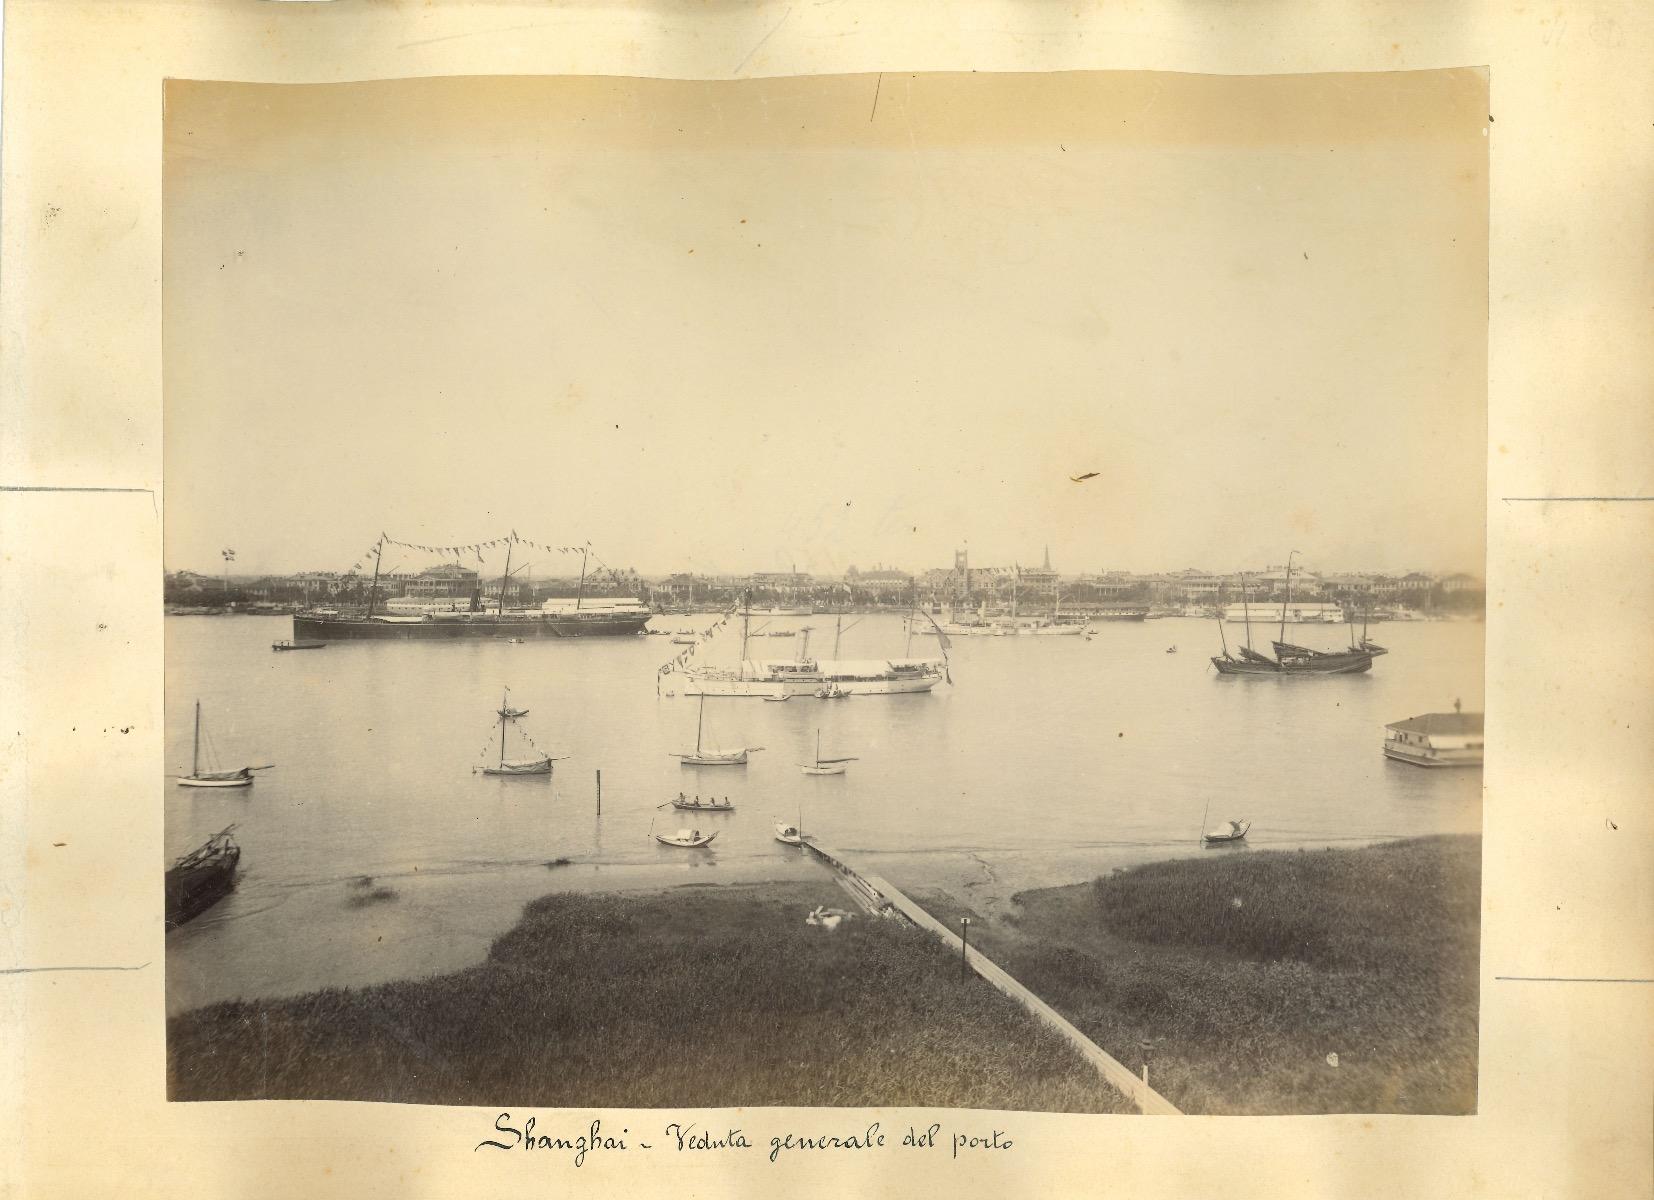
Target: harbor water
{"type": "Point", "coordinates": [375, 850]}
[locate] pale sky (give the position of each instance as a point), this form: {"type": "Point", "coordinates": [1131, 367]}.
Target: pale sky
{"type": "Point", "coordinates": [731, 327]}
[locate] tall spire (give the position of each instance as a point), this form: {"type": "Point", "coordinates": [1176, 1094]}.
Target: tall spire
{"type": "Point", "coordinates": [1048, 556]}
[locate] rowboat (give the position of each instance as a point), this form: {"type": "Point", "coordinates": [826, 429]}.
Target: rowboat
{"type": "Point", "coordinates": [695, 805]}
{"type": "Point", "coordinates": [790, 834]}
{"type": "Point", "coordinates": [298, 644]}
{"type": "Point", "coordinates": [688, 839]}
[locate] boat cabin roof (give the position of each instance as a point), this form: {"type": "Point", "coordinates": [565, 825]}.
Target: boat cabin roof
{"type": "Point", "coordinates": [1440, 724]}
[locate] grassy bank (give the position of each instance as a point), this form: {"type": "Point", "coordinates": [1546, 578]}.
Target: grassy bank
{"type": "Point", "coordinates": [1235, 975]}
{"type": "Point", "coordinates": [697, 996]}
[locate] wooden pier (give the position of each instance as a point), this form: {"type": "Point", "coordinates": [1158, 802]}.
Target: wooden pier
{"type": "Point", "coordinates": [879, 897]}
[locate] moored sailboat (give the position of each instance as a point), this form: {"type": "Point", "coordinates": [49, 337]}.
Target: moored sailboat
{"type": "Point", "coordinates": [539, 763]}
{"type": "Point", "coordinates": [239, 778]}
{"type": "Point", "coordinates": [701, 756]}
{"type": "Point", "coordinates": [825, 766]}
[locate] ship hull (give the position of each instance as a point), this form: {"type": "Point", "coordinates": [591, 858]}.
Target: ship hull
{"type": "Point", "coordinates": [1470, 759]}
{"type": "Point", "coordinates": [1341, 665]}
{"type": "Point", "coordinates": [701, 685]}
{"type": "Point", "coordinates": [190, 891]}
{"type": "Point", "coordinates": [472, 628]}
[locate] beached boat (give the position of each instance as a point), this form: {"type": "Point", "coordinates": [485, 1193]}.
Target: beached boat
{"type": "Point", "coordinates": [825, 766]}
{"type": "Point", "coordinates": [199, 879]}
{"type": "Point", "coordinates": [711, 805]}
{"type": "Point", "coordinates": [297, 644]}
{"type": "Point", "coordinates": [688, 839]}
{"type": "Point", "coordinates": [239, 778]}
{"type": "Point", "coordinates": [1233, 831]}
{"type": "Point", "coordinates": [792, 835]}
{"type": "Point", "coordinates": [538, 763]}
{"type": "Point", "coordinates": [701, 756]}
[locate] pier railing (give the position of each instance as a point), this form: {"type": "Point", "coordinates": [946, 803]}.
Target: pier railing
{"type": "Point", "coordinates": [878, 896]}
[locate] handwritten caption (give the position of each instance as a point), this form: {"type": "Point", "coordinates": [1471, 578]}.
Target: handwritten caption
{"type": "Point", "coordinates": [513, 1133]}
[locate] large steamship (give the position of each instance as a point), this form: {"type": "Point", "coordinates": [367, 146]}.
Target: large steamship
{"type": "Point", "coordinates": [579, 616]}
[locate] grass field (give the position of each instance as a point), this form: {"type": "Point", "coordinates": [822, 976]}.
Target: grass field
{"type": "Point", "coordinates": [1236, 975]}
{"type": "Point", "coordinates": [697, 996]}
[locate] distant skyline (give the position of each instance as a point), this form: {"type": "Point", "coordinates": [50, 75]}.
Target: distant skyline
{"type": "Point", "coordinates": [494, 565]}
{"type": "Point", "coordinates": [735, 327]}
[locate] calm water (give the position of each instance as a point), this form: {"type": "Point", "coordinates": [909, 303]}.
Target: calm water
{"type": "Point", "coordinates": [1048, 760]}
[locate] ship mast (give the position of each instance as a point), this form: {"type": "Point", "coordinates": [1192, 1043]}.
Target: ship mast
{"type": "Point", "coordinates": [1246, 609]}
{"type": "Point", "coordinates": [1288, 599]}
{"type": "Point", "coordinates": [379, 557]}
{"type": "Point", "coordinates": [505, 707]}
{"type": "Point", "coordinates": [505, 578]}
{"type": "Point", "coordinates": [700, 724]}
{"type": "Point", "coordinates": [746, 621]}
{"type": "Point", "coordinates": [580, 592]}
{"type": "Point", "coordinates": [1223, 638]}
{"type": "Point", "coordinates": [195, 759]}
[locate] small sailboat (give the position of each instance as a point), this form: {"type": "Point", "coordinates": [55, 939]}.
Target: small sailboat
{"type": "Point", "coordinates": [201, 878]}
{"type": "Point", "coordinates": [240, 778]}
{"type": "Point", "coordinates": [700, 756]}
{"type": "Point", "coordinates": [825, 766]}
{"type": "Point", "coordinates": [710, 804]}
{"type": "Point", "coordinates": [539, 763]}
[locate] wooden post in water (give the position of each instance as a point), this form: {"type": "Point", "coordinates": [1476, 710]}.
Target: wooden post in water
{"type": "Point", "coordinates": [964, 947]}
{"type": "Point", "coordinates": [600, 791]}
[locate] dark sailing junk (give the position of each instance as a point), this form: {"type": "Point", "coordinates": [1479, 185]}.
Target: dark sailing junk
{"type": "Point", "coordinates": [1292, 659]}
